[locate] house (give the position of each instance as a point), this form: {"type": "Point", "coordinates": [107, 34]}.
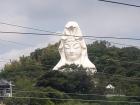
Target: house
{"type": "Point", "coordinates": [110, 89]}
{"type": "Point", "coordinates": [5, 88]}
{"type": "Point", "coordinates": [110, 86]}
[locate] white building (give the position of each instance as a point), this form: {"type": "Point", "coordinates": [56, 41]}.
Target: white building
{"type": "Point", "coordinates": [5, 88]}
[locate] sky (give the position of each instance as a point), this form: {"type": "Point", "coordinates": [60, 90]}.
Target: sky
{"type": "Point", "coordinates": [95, 18]}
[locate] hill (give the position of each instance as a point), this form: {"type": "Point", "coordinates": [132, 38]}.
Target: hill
{"type": "Point", "coordinates": [33, 77]}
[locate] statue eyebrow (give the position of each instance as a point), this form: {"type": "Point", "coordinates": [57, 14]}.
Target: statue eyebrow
{"type": "Point", "coordinates": [76, 44]}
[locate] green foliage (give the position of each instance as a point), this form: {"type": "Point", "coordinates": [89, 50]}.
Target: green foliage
{"type": "Point", "coordinates": [48, 56]}
{"type": "Point", "coordinates": [70, 82]}
{"type": "Point", "coordinates": [77, 103]}
{"type": "Point", "coordinates": [34, 73]}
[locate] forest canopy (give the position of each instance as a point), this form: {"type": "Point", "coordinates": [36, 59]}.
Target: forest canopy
{"type": "Point", "coordinates": [33, 76]}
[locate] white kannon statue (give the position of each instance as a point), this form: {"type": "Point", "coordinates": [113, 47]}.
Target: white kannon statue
{"type": "Point", "coordinates": [73, 49]}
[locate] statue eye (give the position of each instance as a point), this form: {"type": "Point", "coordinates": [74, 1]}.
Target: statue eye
{"type": "Point", "coordinates": [76, 45]}
{"type": "Point", "coordinates": [66, 46]}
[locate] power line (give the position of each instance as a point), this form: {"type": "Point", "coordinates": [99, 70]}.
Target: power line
{"type": "Point", "coordinates": [97, 72]}
{"type": "Point", "coordinates": [120, 3]}
{"type": "Point", "coordinates": [132, 79]}
{"type": "Point", "coordinates": [3, 61]}
{"type": "Point", "coordinates": [68, 99]}
{"type": "Point", "coordinates": [57, 35]}
{"type": "Point", "coordinates": [124, 61]}
{"type": "Point", "coordinates": [117, 76]}
{"type": "Point", "coordinates": [129, 62]}
{"type": "Point", "coordinates": [17, 43]}
{"type": "Point", "coordinates": [38, 34]}
{"type": "Point", "coordinates": [79, 94]}
{"type": "Point", "coordinates": [54, 34]}
{"type": "Point", "coordinates": [114, 42]}
{"type": "Point", "coordinates": [14, 25]}
{"type": "Point", "coordinates": [28, 33]}
{"type": "Point", "coordinates": [120, 76]}
{"type": "Point", "coordinates": [113, 37]}
{"type": "Point", "coordinates": [23, 44]}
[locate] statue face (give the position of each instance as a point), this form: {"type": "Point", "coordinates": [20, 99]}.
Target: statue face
{"type": "Point", "coordinates": [72, 50]}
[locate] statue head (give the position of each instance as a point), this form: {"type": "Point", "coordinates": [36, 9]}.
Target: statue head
{"type": "Point", "coordinates": [73, 48]}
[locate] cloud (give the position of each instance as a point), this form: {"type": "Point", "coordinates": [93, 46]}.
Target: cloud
{"type": "Point", "coordinates": [12, 37]}
{"type": "Point", "coordinates": [15, 54]}
{"type": "Point", "coordinates": [110, 20]}
{"type": "Point", "coordinates": [94, 18]}
{"type": "Point", "coordinates": [10, 13]}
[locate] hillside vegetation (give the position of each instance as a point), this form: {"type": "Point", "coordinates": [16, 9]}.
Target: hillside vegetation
{"type": "Point", "coordinates": [33, 77]}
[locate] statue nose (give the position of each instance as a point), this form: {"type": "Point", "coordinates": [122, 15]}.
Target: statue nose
{"type": "Point", "coordinates": [71, 50]}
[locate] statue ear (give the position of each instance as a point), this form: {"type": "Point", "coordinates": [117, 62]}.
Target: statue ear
{"type": "Point", "coordinates": [61, 45]}
{"type": "Point", "coordinates": [83, 44]}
